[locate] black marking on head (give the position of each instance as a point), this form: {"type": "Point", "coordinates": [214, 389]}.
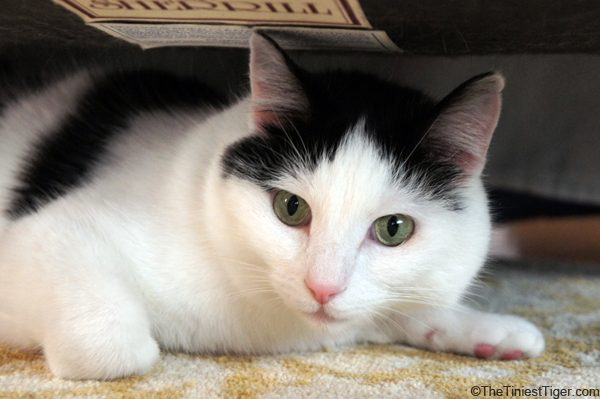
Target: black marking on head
{"type": "Point", "coordinates": [396, 118]}
{"type": "Point", "coordinates": [65, 158]}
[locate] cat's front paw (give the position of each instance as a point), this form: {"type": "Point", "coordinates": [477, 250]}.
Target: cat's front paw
{"type": "Point", "coordinates": [505, 337]}
{"type": "Point", "coordinates": [102, 349]}
{"type": "Point", "coordinates": [474, 333]}
{"type": "Point", "coordinates": [103, 362]}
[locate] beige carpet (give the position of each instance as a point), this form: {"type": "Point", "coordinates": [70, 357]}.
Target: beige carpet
{"type": "Point", "coordinates": [563, 301]}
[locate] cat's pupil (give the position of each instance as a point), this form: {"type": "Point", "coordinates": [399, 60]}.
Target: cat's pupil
{"type": "Point", "coordinates": [292, 205]}
{"type": "Point", "coordinates": [392, 226]}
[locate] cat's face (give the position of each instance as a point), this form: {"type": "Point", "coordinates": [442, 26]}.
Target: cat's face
{"type": "Point", "coordinates": [355, 196]}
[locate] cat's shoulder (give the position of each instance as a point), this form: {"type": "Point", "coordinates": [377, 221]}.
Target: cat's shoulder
{"type": "Point", "coordinates": [144, 88]}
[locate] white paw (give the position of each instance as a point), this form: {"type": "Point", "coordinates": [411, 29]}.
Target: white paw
{"type": "Point", "coordinates": [103, 355]}
{"type": "Point", "coordinates": [479, 334]}
{"type": "Point", "coordinates": [505, 337]}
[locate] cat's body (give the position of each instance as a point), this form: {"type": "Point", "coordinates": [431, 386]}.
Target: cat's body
{"type": "Point", "coordinates": [160, 229]}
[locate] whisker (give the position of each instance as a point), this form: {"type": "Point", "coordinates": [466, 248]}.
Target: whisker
{"type": "Point", "coordinates": [289, 139]}
{"type": "Point", "coordinates": [396, 311]}
{"type": "Point", "coordinates": [293, 126]}
{"type": "Point", "coordinates": [386, 319]}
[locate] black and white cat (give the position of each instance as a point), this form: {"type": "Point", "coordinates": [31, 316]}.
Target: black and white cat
{"type": "Point", "coordinates": [139, 211]}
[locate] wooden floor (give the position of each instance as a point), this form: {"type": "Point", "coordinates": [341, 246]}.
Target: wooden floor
{"type": "Point", "coordinates": [569, 238]}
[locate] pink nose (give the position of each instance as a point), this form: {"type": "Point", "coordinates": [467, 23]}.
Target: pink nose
{"type": "Point", "coordinates": [323, 293]}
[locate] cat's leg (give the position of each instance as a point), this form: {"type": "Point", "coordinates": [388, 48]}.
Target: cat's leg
{"type": "Point", "coordinates": [61, 290]}
{"type": "Point", "coordinates": [103, 334]}
{"type": "Point", "coordinates": [468, 332]}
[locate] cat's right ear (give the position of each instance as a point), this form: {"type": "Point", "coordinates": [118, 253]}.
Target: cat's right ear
{"type": "Point", "coordinates": [466, 120]}
{"type": "Point", "coordinates": [277, 95]}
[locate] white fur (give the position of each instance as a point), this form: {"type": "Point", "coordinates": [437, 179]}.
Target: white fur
{"type": "Point", "coordinates": [158, 249]}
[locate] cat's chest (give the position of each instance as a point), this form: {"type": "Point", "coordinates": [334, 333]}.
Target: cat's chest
{"type": "Point", "coordinates": [204, 323]}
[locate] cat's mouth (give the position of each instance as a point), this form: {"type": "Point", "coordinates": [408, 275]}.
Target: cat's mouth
{"type": "Point", "coordinates": [322, 316]}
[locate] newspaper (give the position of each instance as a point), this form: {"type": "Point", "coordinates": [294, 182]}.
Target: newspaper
{"type": "Point", "coordinates": [341, 13]}
{"type": "Point", "coordinates": [153, 35]}
{"type": "Point", "coordinates": [293, 24]}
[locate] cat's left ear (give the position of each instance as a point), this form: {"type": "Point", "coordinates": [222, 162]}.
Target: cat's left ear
{"type": "Point", "coordinates": [277, 94]}
{"type": "Point", "coordinates": [466, 120]}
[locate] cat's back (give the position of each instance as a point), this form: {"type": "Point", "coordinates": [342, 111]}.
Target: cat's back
{"type": "Point", "coordinates": [55, 138]}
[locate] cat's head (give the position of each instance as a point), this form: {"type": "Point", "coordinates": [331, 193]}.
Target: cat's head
{"type": "Point", "coordinates": [354, 195]}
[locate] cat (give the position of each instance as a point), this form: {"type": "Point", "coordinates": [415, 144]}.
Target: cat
{"type": "Point", "coordinates": [143, 211]}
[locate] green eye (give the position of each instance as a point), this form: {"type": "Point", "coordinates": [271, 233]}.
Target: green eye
{"type": "Point", "coordinates": [291, 209]}
{"type": "Point", "coordinates": [393, 230]}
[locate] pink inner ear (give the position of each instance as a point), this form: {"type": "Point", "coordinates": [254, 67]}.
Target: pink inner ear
{"type": "Point", "coordinates": [269, 107]}
{"type": "Point", "coordinates": [264, 118]}
{"type": "Point", "coordinates": [462, 133]}
{"type": "Point", "coordinates": [468, 162]}
{"type": "Point", "coordinates": [276, 91]}
{"type": "Point", "coordinates": [261, 117]}
{"type": "Point", "coordinates": [474, 161]}
{"type": "Point", "coordinates": [470, 131]}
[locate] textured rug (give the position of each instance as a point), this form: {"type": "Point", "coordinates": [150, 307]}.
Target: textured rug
{"type": "Point", "coordinates": [563, 300]}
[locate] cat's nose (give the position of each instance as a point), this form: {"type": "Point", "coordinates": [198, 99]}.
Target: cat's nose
{"type": "Point", "coordinates": [323, 293]}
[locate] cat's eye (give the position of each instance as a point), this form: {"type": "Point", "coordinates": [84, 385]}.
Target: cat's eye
{"type": "Point", "coordinates": [291, 209]}
{"type": "Point", "coordinates": [393, 230]}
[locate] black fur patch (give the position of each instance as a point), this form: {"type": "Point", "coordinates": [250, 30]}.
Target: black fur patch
{"type": "Point", "coordinates": [396, 118]}
{"type": "Point", "coordinates": [16, 84]}
{"type": "Point", "coordinates": [64, 159]}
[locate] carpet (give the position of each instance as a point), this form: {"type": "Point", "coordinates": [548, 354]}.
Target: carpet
{"type": "Point", "coordinates": [562, 299]}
